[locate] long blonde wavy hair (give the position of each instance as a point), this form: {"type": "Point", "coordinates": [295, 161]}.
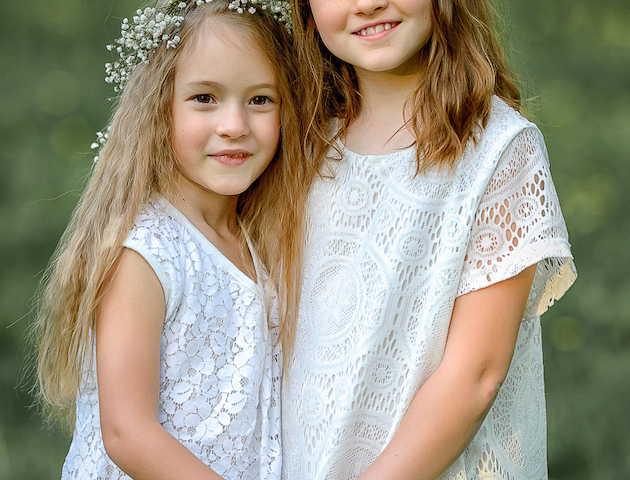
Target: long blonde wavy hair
{"type": "Point", "coordinates": [463, 67]}
{"type": "Point", "coordinates": [137, 162]}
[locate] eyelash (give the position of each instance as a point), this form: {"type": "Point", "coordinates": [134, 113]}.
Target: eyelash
{"type": "Point", "coordinates": [206, 98]}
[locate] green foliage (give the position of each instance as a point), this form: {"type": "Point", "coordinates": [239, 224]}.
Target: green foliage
{"type": "Point", "coordinates": [577, 55]}
{"type": "Point", "coordinates": [574, 58]}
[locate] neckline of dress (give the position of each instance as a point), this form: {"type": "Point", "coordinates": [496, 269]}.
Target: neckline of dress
{"type": "Point", "coordinates": [220, 258]}
{"type": "Point", "coordinates": [375, 159]}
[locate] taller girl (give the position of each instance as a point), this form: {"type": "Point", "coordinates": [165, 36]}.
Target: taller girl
{"type": "Point", "coordinates": [435, 242]}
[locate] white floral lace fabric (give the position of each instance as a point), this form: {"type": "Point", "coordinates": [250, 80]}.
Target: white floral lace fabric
{"type": "Point", "coordinates": [387, 254]}
{"type": "Point", "coordinates": [220, 368]}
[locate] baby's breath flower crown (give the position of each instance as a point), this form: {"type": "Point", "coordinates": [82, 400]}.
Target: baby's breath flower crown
{"type": "Point", "coordinates": [153, 26]}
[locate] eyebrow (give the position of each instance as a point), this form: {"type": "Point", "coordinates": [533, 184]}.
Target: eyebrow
{"type": "Point", "coordinates": [207, 83]}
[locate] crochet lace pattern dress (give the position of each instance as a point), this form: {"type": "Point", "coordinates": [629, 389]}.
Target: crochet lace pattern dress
{"type": "Point", "coordinates": [387, 255]}
{"type": "Point", "coordinates": [220, 368]}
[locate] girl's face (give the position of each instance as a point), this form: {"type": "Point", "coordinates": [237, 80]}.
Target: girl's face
{"type": "Point", "coordinates": [374, 35]}
{"type": "Point", "coordinates": [226, 112]}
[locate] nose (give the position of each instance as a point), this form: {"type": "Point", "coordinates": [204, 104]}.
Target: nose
{"type": "Point", "coordinates": [369, 7]}
{"type": "Point", "coordinates": [233, 122]}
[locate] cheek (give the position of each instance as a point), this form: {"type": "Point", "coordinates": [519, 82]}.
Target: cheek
{"type": "Point", "coordinates": [187, 144]}
{"type": "Point", "coordinates": [179, 130]}
{"type": "Point", "coordinates": [188, 131]}
{"type": "Point", "coordinates": [269, 134]}
{"type": "Point", "coordinates": [278, 129]}
{"type": "Point", "coordinates": [179, 137]}
{"type": "Point", "coordinates": [424, 13]}
{"type": "Point", "coordinates": [274, 139]}
{"type": "Point", "coordinates": [326, 19]}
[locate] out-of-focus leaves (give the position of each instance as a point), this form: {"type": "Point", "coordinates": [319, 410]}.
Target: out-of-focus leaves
{"type": "Point", "coordinates": [53, 99]}
{"type": "Point", "coordinates": [578, 58]}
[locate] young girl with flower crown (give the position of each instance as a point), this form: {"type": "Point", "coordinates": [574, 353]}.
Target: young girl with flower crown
{"type": "Point", "coordinates": [435, 241]}
{"type": "Point", "coordinates": [155, 333]}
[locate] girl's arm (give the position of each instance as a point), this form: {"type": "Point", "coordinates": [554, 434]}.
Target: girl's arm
{"type": "Point", "coordinates": [128, 331]}
{"type": "Point", "coordinates": [449, 408]}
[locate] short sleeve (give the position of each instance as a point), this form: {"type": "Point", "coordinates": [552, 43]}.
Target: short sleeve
{"type": "Point", "coordinates": [519, 223]}
{"type": "Point", "coordinates": [135, 243]}
{"type": "Point", "coordinates": [156, 236]}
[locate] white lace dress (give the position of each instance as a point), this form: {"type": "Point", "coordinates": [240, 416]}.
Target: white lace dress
{"type": "Point", "coordinates": [219, 367]}
{"type": "Point", "coordinates": [387, 254]}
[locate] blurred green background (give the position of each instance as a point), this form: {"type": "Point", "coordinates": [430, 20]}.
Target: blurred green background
{"type": "Point", "coordinates": [574, 57]}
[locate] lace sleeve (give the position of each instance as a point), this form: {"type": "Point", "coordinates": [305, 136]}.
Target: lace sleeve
{"type": "Point", "coordinates": [519, 223]}
{"type": "Point", "coordinates": [154, 239]}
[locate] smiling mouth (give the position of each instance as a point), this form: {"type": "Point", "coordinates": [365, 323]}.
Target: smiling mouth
{"type": "Point", "coordinates": [381, 27]}
{"type": "Point", "coordinates": [232, 158]}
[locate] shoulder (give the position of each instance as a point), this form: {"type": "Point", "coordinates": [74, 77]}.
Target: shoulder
{"type": "Point", "coordinates": [163, 231]}
{"type": "Point", "coordinates": [155, 225]}
{"type": "Point", "coordinates": [504, 124]}
{"type": "Point", "coordinates": [502, 113]}
{"type": "Point", "coordinates": [159, 237]}
{"type": "Point", "coordinates": [517, 143]}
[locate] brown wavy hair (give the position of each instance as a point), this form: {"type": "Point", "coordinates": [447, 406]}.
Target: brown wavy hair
{"type": "Point", "coordinates": [464, 66]}
{"type": "Point", "coordinates": [138, 162]}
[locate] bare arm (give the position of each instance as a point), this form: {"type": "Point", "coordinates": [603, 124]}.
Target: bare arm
{"type": "Point", "coordinates": [450, 407]}
{"type": "Point", "coordinates": [128, 332]}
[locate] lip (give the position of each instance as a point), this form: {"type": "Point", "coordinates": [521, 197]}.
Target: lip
{"type": "Point", "coordinates": [232, 158]}
{"type": "Point", "coordinates": [377, 33]}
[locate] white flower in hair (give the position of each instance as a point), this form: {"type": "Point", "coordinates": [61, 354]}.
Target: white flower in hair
{"type": "Point", "coordinates": [152, 26]}
{"type": "Point", "coordinates": [280, 9]}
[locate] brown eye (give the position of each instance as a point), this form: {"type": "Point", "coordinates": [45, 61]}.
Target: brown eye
{"type": "Point", "coordinates": [203, 98]}
{"type": "Point", "coordinates": [260, 100]}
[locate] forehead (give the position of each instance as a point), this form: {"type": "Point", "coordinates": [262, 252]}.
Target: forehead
{"type": "Point", "coordinates": [219, 39]}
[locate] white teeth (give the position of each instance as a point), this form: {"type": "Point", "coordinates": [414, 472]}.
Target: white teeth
{"type": "Point", "coordinates": [377, 29]}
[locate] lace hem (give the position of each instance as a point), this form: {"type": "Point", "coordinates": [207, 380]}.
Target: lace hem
{"type": "Point", "coordinates": [553, 278]}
